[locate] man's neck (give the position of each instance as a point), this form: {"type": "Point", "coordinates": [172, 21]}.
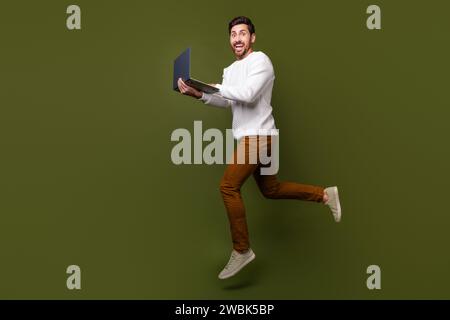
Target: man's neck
{"type": "Point", "coordinates": [246, 55]}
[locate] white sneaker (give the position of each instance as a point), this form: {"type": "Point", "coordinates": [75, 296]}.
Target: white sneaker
{"type": "Point", "coordinates": [333, 202]}
{"type": "Point", "coordinates": [236, 263]}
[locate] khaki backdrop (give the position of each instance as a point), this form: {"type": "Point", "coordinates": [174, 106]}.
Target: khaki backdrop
{"type": "Point", "coordinates": [87, 179]}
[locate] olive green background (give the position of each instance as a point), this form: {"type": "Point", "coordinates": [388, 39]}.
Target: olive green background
{"type": "Point", "coordinates": [87, 179]}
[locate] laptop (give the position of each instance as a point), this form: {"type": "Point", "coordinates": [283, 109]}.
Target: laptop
{"type": "Point", "coordinates": [182, 69]}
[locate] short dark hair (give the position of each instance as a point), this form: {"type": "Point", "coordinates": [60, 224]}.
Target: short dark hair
{"type": "Point", "coordinates": [242, 20]}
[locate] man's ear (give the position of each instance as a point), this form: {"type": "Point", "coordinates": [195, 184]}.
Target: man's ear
{"type": "Point", "coordinates": [253, 38]}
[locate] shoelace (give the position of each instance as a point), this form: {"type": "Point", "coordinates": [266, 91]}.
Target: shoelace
{"type": "Point", "coordinates": [232, 258]}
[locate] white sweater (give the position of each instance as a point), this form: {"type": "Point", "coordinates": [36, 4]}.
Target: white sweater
{"type": "Point", "coordinates": [247, 87]}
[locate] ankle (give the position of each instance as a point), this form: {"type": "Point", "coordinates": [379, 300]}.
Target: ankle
{"type": "Point", "coordinates": [325, 197]}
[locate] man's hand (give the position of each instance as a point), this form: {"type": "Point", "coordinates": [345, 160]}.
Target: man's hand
{"type": "Point", "coordinates": [187, 90]}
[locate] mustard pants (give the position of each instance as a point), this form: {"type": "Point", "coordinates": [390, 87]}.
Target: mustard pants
{"type": "Point", "coordinates": [240, 169]}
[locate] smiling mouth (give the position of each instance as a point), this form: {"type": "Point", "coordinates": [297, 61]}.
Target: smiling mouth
{"type": "Point", "coordinates": [238, 46]}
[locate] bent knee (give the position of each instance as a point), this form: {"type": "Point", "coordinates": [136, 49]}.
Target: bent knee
{"type": "Point", "coordinates": [227, 187]}
{"type": "Point", "coordinates": [271, 193]}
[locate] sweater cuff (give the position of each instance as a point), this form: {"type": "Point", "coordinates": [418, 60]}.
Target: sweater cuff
{"type": "Point", "coordinates": [204, 97]}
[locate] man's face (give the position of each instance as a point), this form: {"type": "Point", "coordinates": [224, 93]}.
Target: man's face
{"type": "Point", "coordinates": [241, 40]}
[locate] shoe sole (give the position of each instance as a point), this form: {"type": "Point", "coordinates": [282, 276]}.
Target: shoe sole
{"type": "Point", "coordinates": [250, 259]}
{"type": "Point", "coordinates": [336, 195]}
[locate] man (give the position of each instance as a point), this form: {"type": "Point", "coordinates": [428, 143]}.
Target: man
{"type": "Point", "coordinates": [247, 88]}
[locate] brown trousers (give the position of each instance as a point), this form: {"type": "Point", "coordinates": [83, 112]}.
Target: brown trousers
{"type": "Point", "coordinates": [236, 174]}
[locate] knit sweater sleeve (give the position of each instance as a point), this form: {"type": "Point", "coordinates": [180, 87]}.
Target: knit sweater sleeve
{"type": "Point", "coordinates": [215, 100]}
{"type": "Point", "coordinates": [260, 73]}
